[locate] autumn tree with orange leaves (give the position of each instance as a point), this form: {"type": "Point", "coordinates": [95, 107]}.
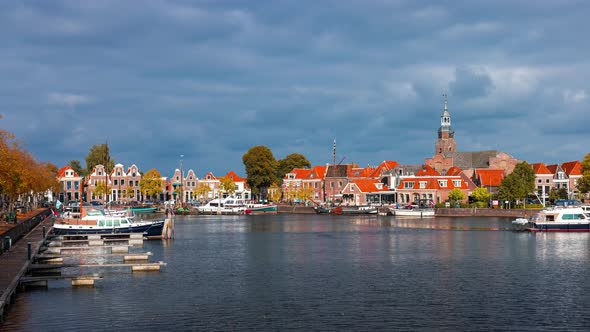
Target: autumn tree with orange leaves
{"type": "Point", "coordinates": [21, 176]}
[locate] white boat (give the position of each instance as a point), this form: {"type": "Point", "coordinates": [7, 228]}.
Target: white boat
{"type": "Point", "coordinates": [567, 219]}
{"type": "Point", "coordinates": [96, 221]}
{"type": "Point", "coordinates": [227, 205]}
{"type": "Point", "coordinates": [421, 213]}
{"type": "Point", "coordinates": [520, 221]}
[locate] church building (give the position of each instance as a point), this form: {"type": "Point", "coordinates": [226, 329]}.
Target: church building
{"type": "Point", "coordinates": [447, 156]}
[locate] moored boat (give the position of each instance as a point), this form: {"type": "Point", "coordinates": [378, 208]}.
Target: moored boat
{"type": "Point", "coordinates": [348, 210]}
{"type": "Point", "coordinates": [223, 206]}
{"type": "Point", "coordinates": [567, 219]}
{"type": "Point", "coordinates": [261, 209]}
{"type": "Point", "coordinates": [99, 222]}
{"type": "Point", "coordinates": [421, 213]}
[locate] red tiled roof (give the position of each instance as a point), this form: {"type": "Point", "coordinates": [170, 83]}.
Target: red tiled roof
{"type": "Point", "coordinates": [552, 168]}
{"type": "Point", "coordinates": [367, 185]}
{"type": "Point", "coordinates": [427, 171]}
{"type": "Point", "coordinates": [62, 171]}
{"type": "Point", "coordinates": [318, 172]}
{"type": "Point", "coordinates": [572, 168]}
{"type": "Point", "coordinates": [540, 168]}
{"type": "Point", "coordinates": [358, 172]}
{"type": "Point", "coordinates": [300, 173]}
{"type": "Point", "coordinates": [454, 171]}
{"type": "Point", "coordinates": [490, 177]}
{"type": "Point", "coordinates": [386, 165]}
{"type": "Point", "coordinates": [236, 178]}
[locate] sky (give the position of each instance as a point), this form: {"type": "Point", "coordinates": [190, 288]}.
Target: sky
{"type": "Point", "coordinates": [208, 80]}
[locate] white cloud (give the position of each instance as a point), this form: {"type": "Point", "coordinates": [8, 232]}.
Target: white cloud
{"type": "Point", "coordinates": [574, 96]}
{"type": "Point", "coordinates": [68, 99]}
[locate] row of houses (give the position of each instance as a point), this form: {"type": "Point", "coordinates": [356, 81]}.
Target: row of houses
{"type": "Point", "coordinates": [125, 185]}
{"type": "Point", "coordinates": [390, 183]}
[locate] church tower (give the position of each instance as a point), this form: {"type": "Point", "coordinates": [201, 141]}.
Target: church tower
{"type": "Point", "coordinates": [446, 134]}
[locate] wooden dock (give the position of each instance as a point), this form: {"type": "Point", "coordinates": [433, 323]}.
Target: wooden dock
{"type": "Point", "coordinates": [14, 264]}
{"type": "Point", "coordinates": [47, 256]}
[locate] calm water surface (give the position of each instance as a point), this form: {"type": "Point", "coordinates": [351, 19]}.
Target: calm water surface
{"type": "Point", "coordinates": [331, 273]}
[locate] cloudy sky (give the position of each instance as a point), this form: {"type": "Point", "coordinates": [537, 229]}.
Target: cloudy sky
{"type": "Point", "coordinates": [210, 79]}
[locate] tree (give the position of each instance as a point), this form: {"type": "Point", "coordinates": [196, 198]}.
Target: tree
{"type": "Point", "coordinates": [102, 189]}
{"type": "Point", "coordinates": [261, 168]}
{"type": "Point", "coordinates": [75, 165]}
{"type": "Point", "coordinates": [556, 194]}
{"type": "Point", "coordinates": [99, 155]}
{"type": "Point", "coordinates": [294, 160]}
{"type": "Point", "coordinates": [201, 190]}
{"type": "Point", "coordinates": [583, 183]}
{"type": "Point", "coordinates": [518, 184]}
{"type": "Point", "coordinates": [227, 185]}
{"type": "Point", "coordinates": [456, 195]}
{"type": "Point", "coordinates": [480, 195]}
{"type": "Point", "coordinates": [151, 183]}
{"type": "Point", "coordinates": [274, 192]}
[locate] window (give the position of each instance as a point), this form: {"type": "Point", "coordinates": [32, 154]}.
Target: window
{"type": "Point", "coordinates": [457, 183]}
{"type": "Point", "coordinates": [76, 185]}
{"type": "Point", "coordinates": [118, 173]}
{"type": "Point", "coordinates": [136, 183]}
{"type": "Point", "coordinates": [539, 180]}
{"type": "Point", "coordinates": [339, 184]}
{"type": "Point", "coordinates": [122, 182]}
{"type": "Point", "coordinates": [331, 184]}
{"type": "Point", "coordinates": [315, 185]}
{"type": "Point", "coordinates": [547, 181]}
{"type": "Point", "coordinates": [69, 185]}
{"type": "Point", "coordinates": [99, 173]}
{"type": "Point", "coordinates": [133, 174]}
{"type": "Point", "coordinates": [560, 175]}
{"type": "Point", "coordinates": [442, 183]}
{"type": "Point", "coordinates": [422, 184]}
{"type": "Point", "coordinates": [291, 176]}
{"type": "Point", "coordinates": [409, 185]}
{"type": "Point", "coordinates": [352, 186]}
{"type": "Point", "coordinates": [115, 182]}
{"type": "Point", "coordinates": [117, 222]}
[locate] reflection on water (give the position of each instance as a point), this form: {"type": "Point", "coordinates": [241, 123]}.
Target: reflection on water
{"type": "Point", "coordinates": [312, 272]}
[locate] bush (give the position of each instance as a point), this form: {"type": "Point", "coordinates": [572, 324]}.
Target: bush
{"type": "Point", "coordinates": [439, 205]}
{"type": "Point", "coordinates": [529, 206]}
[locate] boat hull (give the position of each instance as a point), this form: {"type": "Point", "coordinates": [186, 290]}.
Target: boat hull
{"type": "Point", "coordinates": [270, 209]}
{"type": "Point", "coordinates": [152, 229]}
{"type": "Point", "coordinates": [561, 227]}
{"type": "Point", "coordinates": [412, 213]}
{"type": "Point", "coordinates": [353, 210]}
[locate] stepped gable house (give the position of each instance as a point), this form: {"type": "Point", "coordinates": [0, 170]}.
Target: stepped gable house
{"type": "Point", "coordinates": [447, 156]}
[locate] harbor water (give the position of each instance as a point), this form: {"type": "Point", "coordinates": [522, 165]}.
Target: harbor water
{"type": "Point", "coordinates": [331, 273]}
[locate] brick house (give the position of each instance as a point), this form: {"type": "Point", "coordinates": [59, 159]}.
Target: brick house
{"type": "Point", "coordinates": [367, 191]}
{"type": "Point", "coordinates": [97, 176]}
{"type": "Point", "coordinates": [70, 185]}
{"type": "Point", "coordinates": [242, 189]}
{"type": "Point", "coordinates": [428, 185]}
{"type": "Point", "coordinates": [490, 179]}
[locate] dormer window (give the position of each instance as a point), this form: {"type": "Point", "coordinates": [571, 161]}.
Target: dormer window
{"type": "Point", "coordinates": [208, 177]}
{"type": "Point", "coordinates": [442, 183]}
{"type": "Point", "coordinates": [422, 184]}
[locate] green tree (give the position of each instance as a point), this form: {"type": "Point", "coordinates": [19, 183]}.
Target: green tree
{"type": "Point", "coordinates": [102, 189]}
{"type": "Point", "coordinates": [77, 167]}
{"type": "Point", "coordinates": [583, 183]}
{"type": "Point", "coordinates": [227, 185]}
{"type": "Point", "coordinates": [99, 155]}
{"type": "Point", "coordinates": [480, 195]}
{"type": "Point", "coordinates": [456, 195]}
{"type": "Point", "coordinates": [556, 194]}
{"type": "Point", "coordinates": [201, 190]}
{"type": "Point", "coordinates": [294, 160]}
{"type": "Point", "coordinates": [261, 168]}
{"type": "Point", "coordinates": [518, 184]}
{"type": "Point", "coordinates": [151, 183]}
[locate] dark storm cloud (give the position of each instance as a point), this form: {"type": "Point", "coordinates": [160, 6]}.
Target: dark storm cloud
{"type": "Point", "coordinates": [210, 79]}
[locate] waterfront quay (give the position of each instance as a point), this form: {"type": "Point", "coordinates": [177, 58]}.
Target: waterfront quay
{"type": "Point", "coordinates": [18, 241]}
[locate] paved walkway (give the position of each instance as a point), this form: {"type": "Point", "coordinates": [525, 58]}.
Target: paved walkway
{"type": "Point", "coordinates": [14, 263]}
